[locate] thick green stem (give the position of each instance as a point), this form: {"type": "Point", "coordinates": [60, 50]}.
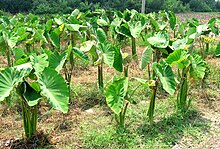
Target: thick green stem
{"type": "Point", "coordinates": [125, 71]}
{"type": "Point", "coordinates": [100, 77]}
{"type": "Point", "coordinates": [207, 48]}
{"type": "Point", "coordinates": [29, 116]}
{"type": "Point", "coordinates": [152, 105]}
{"type": "Point", "coordinates": [8, 53]}
{"type": "Point", "coordinates": [134, 50]}
{"type": "Point", "coordinates": [182, 95]}
{"type": "Point", "coordinates": [149, 73]}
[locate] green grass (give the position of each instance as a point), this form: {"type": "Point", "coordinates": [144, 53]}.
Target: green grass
{"type": "Point", "coordinates": [169, 128]}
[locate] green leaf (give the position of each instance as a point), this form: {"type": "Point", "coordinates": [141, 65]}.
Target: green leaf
{"type": "Point", "coordinates": [123, 30]}
{"type": "Point", "coordinates": [217, 50]}
{"type": "Point", "coordinates": [19, 53]}
{"type": "Point", "coordinates": [180, 44]}
{"type": "Point", "coordinates": [55, 37]}
{"type": "Point", "coordinates": [80, 54]}
{"type": "Point", "coordinates": [39, 35]}
{"type": "Point", "coordinates": [73, 27]}
{"type": "Point", "coordinates": [100, 35]}
{"type": "Point", "coordinates": [87, 45]}
{"type": "Point", "coordinates": [172, 20]}
{"type": "Point", "coordinates": [177, 57]}
{"type": "Point", "coordinates": [56, 60]}
{"type": "Point", "coordinates": [53, 87]}
{"type": "Point", "coordinates": [146, 57]}
{"type": "Point", "coordinates": [166, 76]}
{"type": "Point", "coordinates": [118, 60]}
{"type": "Point", "coordinates": [48, 26]}
{"type": "Point", "coordinates": [135, 28]}
{"type": "Point", "coordinates": [107, 51]}
{"type": "Point", "coordinates": [9, 78]}
{"type": "Point", "coordinates": [39, 62]}
{"type": "Point", "coordinates": [160, 40]}
{"type": "Point", "coordinates": [198, 67]}
{"type": "Point", "coordinates": [116, 93]}
{"type": "Point", "coordinates": [30, 95]}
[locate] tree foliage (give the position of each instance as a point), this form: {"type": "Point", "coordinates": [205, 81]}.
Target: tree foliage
{"type": "Point", "coordinates": [66, 6]}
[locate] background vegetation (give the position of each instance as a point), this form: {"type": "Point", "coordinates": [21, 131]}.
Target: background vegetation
{"type": "Point", "coordinates": [66, 6]}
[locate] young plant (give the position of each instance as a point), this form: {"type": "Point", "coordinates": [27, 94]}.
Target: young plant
{"type": "Point", "coordinates": [33, 80]}
{"type": "Point", "coordinates": [162, 72]}
{"type": "Point", "coordinates": [189, 67]}
{"type": "Point", "coordinates": [116, 98]}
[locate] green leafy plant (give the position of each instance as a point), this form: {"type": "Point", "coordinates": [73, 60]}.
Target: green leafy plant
{"type": "Point", "coordinates": [33, 81]}
{"type": "Point", "coordinates": [189, 67]}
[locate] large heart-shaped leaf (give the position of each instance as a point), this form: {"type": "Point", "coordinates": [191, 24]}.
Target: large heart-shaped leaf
{"type": "Point", "coordinates": [180, 44]}
{"type": "Point", "coordinates": [107, 51]}
{"type": "Point", "coordinates": [100, 35]}
{"type": "Point", "coordinates": [118, 60]}
{"type": "Point", "coordinates": [53, 87]}
{"type": "Point", "coordinates": [9, 78]}
{"type": "Point", "coordinates": [57, 60]}
{"type": "Point", "coordinates": [160, 40]}
{"type": "Point", "coordinates": [55, 37]}
{"type": "Point", "coordinates": [166, 76]}
{"type": "Point", "coordinates": [177, 58]}
{"type": "Point", "coordinates": [115, 94]}
{"type": "Point", "coordinates": [198, 67]}
{"type": "Point", "coordinates": [146, 57]}
{"type": "Point", "coordinates": [135, 28]}
{"type": "Point", "coordinates": [39, 62]}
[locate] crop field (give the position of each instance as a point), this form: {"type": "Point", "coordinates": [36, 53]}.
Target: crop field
{"type": "Point", "coordinates": [110, 80]}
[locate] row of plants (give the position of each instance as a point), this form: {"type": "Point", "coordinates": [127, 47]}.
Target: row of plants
{"type": "Point", "coordinates": [42, 54]}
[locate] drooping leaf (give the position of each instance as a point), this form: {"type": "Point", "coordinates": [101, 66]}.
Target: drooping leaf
{"type": "Point", "coordinates": [101, 36]}
{"type": "Point", "coordinates": [135, 28]}
{"type": "Point", "coordinates": [87, 45]}
{"type": "Point", "coordinates": [107, 51]}
{"type": "Point", "coordinates": [118, 60]}
{"type": "Point", "coordinates": [30, 95]}
{"type": "Point", "coordinates": [166, 76]}
{"type": "Point", "coordinates": [39, 62]}
{"type": "Point", "coordinates": [123, 30]}
{"type": "Point", "coordinates": [53, 87]}
{"type": "Point", "coordinates": [80, 54]}
{"type": "Point", "coordinates": [9, 78]}
{"type": "Point", "coordinates": [56, 60]}
{"type": "Point", "coordinates": [198, 67]}
{"type": "Point", "coordinates": [115, 94]}
{"type": "Point", "coordinates": [172, 20]}
{"type": "Point", "coordinates": [177, 58]}
{"type": "Point", "coordinates": [179, 44]}
{"type": "Point", "coordinates": [146, 57]}
{"type": "Point", "coordinates": [160, 40]}
{"type": "Point", "coordinates": [55, 37]}
{"type": "Point", "coordinates": [18, 53]}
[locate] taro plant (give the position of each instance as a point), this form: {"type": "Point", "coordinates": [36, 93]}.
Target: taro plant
{"type": "Point", "coordinates": [189, 67]}
{"type": "Point", "coordinates": [102, 52]}
{"type": "Point", "coordinates": [36, 79]}
{"type": "Point", "coordinates": [117, 99]}
{"type": "Point", "coordinates": [161, 71]}
{"type": "Point", "coordinates": [128, 25]}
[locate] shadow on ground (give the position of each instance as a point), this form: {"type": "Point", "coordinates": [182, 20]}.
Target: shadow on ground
{"type": "Point", "coordinates": [171, 129]}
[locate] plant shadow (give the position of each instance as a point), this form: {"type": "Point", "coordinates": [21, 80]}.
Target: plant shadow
{"type": "Point", "coordinates": [39, 140]}
{"type": "Point", "coordinates": [171, 129]}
